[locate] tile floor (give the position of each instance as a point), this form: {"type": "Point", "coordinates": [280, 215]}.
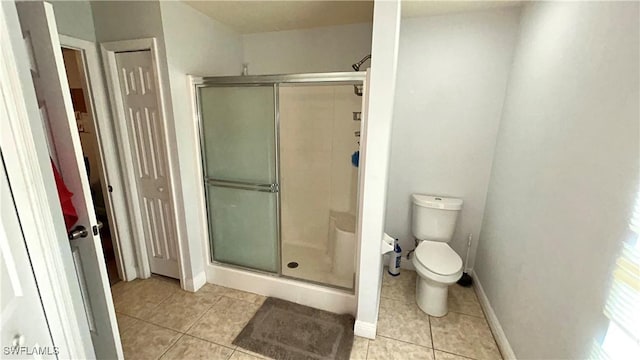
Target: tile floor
{"type": "Point", "coordinates": [405, 332]}
{"type": "Point", "coordinates": [158, 320]}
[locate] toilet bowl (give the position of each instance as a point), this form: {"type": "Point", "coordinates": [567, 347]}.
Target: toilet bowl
{"type": "Point", "coordinates": [436, 263]}
{"type": "Point", "coordinates": [437, 266]}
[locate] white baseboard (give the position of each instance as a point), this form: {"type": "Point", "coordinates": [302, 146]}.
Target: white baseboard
{"type": "Point", "coordinates": [365, 329]}
{"type": "Point", "coordinates": [492, 319]}
{"type": "Point", "coordinates": [196, 283]}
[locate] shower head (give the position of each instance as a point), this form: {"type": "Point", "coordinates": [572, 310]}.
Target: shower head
{"type": "Point", "coordinates": [357, 65]}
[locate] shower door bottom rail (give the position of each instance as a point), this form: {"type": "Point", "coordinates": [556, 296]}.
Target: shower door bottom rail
{"type": "Point", "coordinates": [241, 185]}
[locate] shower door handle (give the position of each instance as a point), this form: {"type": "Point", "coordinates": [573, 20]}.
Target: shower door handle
{"type": "Point", "coordinates": [241, 185]}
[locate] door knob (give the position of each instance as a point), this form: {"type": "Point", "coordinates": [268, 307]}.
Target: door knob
{"type": "Point", "coordinates": [78, 232]}
{"type": "Point", "coordinates": [160, 188]}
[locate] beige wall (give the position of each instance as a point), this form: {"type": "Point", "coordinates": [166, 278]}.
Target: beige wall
{"type": "Point", "coordinates": [195, 45]}
{"type": "Point", "coordinates": [324, 49]}
{"type": "Point", "coordinates": [316, 142]}
{"type": "Point", "coordinates": [74, 18]}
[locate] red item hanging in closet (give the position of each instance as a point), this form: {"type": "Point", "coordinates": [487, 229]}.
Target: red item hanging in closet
{"type": "Point", "coordinates": [68, 210]}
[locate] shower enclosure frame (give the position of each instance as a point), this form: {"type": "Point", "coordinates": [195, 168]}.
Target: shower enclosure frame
{"type": "Point", "coordinates": [333, 78]}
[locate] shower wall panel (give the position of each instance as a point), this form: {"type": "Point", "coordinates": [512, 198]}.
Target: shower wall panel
{"type": "Point", "coordinates": [317, 139]}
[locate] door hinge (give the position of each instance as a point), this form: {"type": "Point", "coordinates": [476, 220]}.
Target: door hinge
{"type": "Point", "coordinates": [109, 188]}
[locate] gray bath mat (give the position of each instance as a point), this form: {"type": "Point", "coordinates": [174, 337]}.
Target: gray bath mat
{"type": "Point", "coordinates": [286, 331]}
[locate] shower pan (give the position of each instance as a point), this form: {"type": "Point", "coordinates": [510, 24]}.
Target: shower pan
{"type": "Point", "coordinates": [281, 191]}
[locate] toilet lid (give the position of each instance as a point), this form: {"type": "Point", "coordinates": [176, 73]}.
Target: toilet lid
{"type": "Point", "coordinates": [438, 257]}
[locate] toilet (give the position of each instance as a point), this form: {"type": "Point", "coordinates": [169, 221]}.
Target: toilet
{"type": "Point", "coordinates": [437, 265]}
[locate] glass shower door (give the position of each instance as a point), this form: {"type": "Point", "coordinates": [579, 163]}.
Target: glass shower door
{"type": "Point", "coordinates": [239, 156]}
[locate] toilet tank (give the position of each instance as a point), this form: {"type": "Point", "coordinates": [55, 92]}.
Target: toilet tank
{"type": "Point", "coordinates": [434, 217]}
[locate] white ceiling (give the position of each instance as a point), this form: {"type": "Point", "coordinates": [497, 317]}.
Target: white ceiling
{"type": "Point", "coordinates": [248, 17]}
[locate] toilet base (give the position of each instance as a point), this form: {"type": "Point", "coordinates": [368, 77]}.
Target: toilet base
{"type": "Point", "coordinates": [431, 297]}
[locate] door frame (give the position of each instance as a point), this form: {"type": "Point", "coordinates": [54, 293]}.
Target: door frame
{"type": "Point", "coordinates": [109, 169]}
{"type": "Point", "coordinates": [29, 172]}
{"type": "Point", "coordinates": [109, 50]}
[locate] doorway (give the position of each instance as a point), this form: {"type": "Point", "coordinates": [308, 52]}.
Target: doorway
{"type": "Point", "coordinates": [78, 88]}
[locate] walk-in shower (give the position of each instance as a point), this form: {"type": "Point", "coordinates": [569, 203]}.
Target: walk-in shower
{"type": "Point", "coordinates": [279, 156]}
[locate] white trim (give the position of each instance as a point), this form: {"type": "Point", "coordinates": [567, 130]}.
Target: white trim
{"type": "Point", "coordinates": [377, 115]}
{"type": "Point", "coordinates": [365, 329]}
{"type": "Point", "coordinates": [316, 296]}
{"type": "Point", "coordinates": [202, 197]}
{"type": "Point", "coordinates": [492, 319]}
{"type": "Point", "coordinates": [26, 160]}
{"type": "Point", "coordinates": [196, 283]}
{"type": "Point", "coordinates": [110, 172]}
{"type": "Point", "coordinates": [109, 49]}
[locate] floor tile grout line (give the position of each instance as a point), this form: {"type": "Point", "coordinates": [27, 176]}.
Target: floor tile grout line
{"type": "Point", "coordinates": [486, 322]}
{"type": "Point", "coordinates": [461, 313]}
{"type": "Point", "coordinates": [236, 349]}
{"type": "Point", "coordinates": [179, 331]}
{"type": "Point", "coordinates": [153, 307]}
{"type": "Point", "coordinates": [154, 324]}
{"type": "Point", "coordinates": [166, 327]}
{"type": "Point", "coordinates": [366, 356]}
{"type": "Point", "coordinates": [251, 353]}
{"type": "Point", "coordinates": [209, 309]}
{"type": "Point", "coordinates": [185, 332]}
{"type": "Point", "coordinates": [213, 342]}
{"type": "Point", "coordinates": [120, 329]}
{"type": "Point", "coordinates": [484, 314]}
{"type": "Point", "coordinates": [466, 300]}
{"type": "Point", "coordinates": [182, 334]}
{"type": "Point", "coordinates": [171, 346]}
{"type": "Point", "coordinates": [207, 340]}
{"type": "Point", "coordinates": [452, 353]}
{"type": "Point", "coordinates": [433, 346]}
{"type": "Point", "coordinates": [457, 354]}
{"type": "Point", "coordinates": [493, 336]}
{"type": "Point", "coordinates": [404, 341]}
{"type": "Point", "coordinates": [203, 314]}
{"type": "Point", "coordinates": [247, 301]}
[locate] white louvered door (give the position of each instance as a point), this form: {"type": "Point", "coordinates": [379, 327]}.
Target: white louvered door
{"type": "Point", "coordinates": [148, 149]}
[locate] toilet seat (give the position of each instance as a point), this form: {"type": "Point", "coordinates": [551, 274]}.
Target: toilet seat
{"type": "Point", "coordinates": [438, 262]}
